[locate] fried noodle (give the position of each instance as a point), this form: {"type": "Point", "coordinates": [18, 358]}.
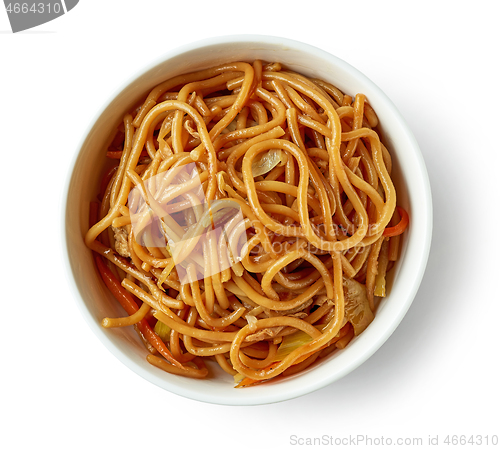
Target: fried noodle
{"type": "Point", "coordinates": [304, 165]}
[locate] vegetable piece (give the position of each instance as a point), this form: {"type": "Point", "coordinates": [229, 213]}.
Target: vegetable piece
{"type": "Point", "coordinates": [383, 262]}
{"type": "Point", "coordinates": [291, 342]}
{"type": "Point", "coordinates": [266, 161]}
{"type": "Point", "coordinates": [401, 226]}
{"type": "Point", "coordinates": [163, 331]}
{"type": "Point", "coordinates": [357, 307]}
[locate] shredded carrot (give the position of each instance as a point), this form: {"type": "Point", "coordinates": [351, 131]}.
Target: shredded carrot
{"type": "Point", "coordinates": [401, 226]}
{"type": "Point", "coordinates": [247, 381]}
{"type": "Point", "coordinates": [128, 303]}
{"type": "Point", "coordinates": [123, 297]}
{"type": "Point", "coordinates": [130, 306]}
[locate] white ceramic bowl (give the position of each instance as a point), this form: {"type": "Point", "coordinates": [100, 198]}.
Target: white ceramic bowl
{"type": "Point", "coordinates": [410, 177]}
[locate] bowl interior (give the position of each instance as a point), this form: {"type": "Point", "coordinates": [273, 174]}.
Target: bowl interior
{"type": "Point", "coordinates": [409, 176]}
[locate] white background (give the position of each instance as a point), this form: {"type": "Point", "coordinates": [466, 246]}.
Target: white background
{"type": "Point", "coordinates": [438, 373]}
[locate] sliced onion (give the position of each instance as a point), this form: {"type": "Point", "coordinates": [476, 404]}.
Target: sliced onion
{"type": "Point", "coordinates": [357, 307]}
{"type": "Point", "coordinates": [266, 161]}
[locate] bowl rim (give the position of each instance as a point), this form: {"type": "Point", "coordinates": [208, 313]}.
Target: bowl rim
{"type": "Point", "coordinates": [261, 396]}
